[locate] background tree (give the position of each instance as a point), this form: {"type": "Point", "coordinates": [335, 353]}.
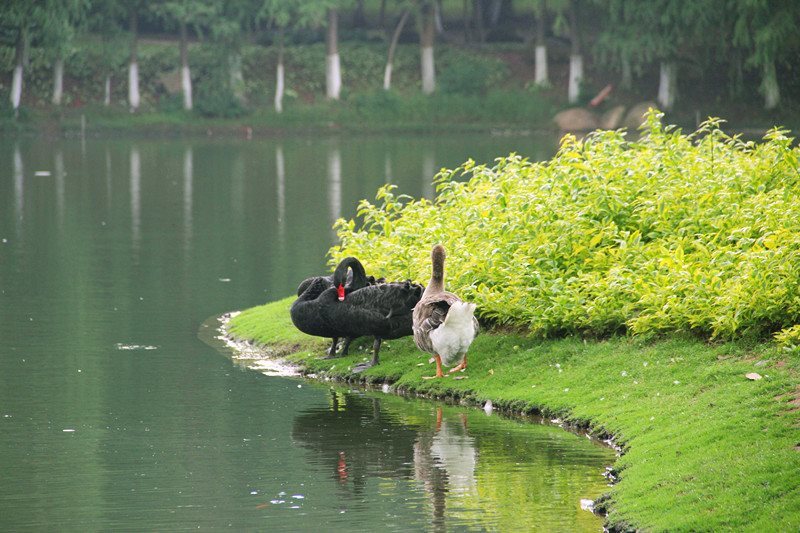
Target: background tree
{"type": "Point", "coordinates": [769, 30]}
{"type": "Point", "coordinates": [540, 77]}
{"type": "Point", "coordinates": [230, 26]}
{"type": "Point", "coordinates": [65, 18]}
{"type": "Point", "coordinates": [575, 54]}
{"type": "Point", "coordinates": [281, 15]}
{"type": "Point", "coordinates": [19, 19]}
{"type": "Point", "coordinates": [333, 70]}
{"type": "Point", "coordinates": [104, 19]}
{"type": "Point", "coordinates": [134, 97]}
{"type": "Point", "coordinates": [665, 31]}
{"type": "Point", "coordinates": [427, 35]}
{"type": "Point", "coordinates": [398, 30]}
{"type": "Point", "coordinates": [182, 14]}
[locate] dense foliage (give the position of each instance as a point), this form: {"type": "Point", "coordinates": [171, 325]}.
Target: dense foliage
{"type": "Point", "coordinates": [694, 232]}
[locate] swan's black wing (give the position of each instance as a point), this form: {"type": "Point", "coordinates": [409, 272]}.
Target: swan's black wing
{"type": "Point", "coordinates": [386, 298]}
{"type": "Point", "coordinates": [381, 310]}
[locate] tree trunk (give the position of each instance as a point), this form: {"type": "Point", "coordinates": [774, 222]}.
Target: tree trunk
{"type": "Point", "coordinates": [107, 91]}
{"type": "Point", "coordinates": [769, 87]}
{"type": "Point", "coordinates": [333, 73]}
{"type": "Point", "coordinates": [133, 68]}
{"type": "Point", "coordinates": [667, 85]}
{"type": "Point", "coordinates": [16, 83]}
{"type": "Point", "coordinates": [58, 81]}
{"type": "Point", "coordinates": [186, 74]}
{"type": "Point", "coordinates": [437, 16]}
{"type": "Point", "coordinates": [465, 15]}
{"type": "Point", "coordinates": [477, 12]}
{"type": "Point", "coordinates": [359, 18]}
{"type": "Point", "coordinates": [279, 79]}
{"type": "Point", "coordinates": [495, 8]}
{"type": "Point", "coordinates": [541, 77]}
{"type": "Point", "coordinates": [575, 78]}
{"type": "Point", "coordinates": [575, 59]}
{"type": "Point", "coordinates": [387, 75]}
{"type": "Point", "coordinates": [426, 50]}
{"type": "Point", "coordinates": [382, 15]}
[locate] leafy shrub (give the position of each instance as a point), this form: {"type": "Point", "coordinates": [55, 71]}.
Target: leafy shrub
{"type": "Point", "coordinates": [789, 339]}
{"type": "Point", "coordinates": [673, 232]}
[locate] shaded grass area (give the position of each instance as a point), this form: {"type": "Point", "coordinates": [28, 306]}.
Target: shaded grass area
{"type": "Point", "coordinates": [705, 448]}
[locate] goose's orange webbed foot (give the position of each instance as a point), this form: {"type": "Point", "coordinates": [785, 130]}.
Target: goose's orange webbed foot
{"type": "Point", "coordinates": [439, 373]}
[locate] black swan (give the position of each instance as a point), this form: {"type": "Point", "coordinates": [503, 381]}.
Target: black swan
{"type": "Point", "coordinates": [443, 324]}
{"type": "Point", "coordinates": [382, 311]}
{"type": "Point", "coordinates": [305, 311]}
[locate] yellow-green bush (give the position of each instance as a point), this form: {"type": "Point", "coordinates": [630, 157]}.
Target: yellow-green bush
{"type": "Point", "coordinates": [673, 232]}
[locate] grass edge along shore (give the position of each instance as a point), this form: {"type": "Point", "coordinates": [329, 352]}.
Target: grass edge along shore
{"type": "Point", "coordinates": [704, 447]}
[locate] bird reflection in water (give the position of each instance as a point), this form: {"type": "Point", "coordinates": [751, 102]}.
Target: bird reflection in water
{"type": "Point", "coordinates": [444, 462]}
{"type": "Point", "coordinates": [358, 438]}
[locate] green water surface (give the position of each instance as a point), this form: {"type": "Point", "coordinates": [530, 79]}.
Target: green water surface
{"type": "Point", "coordinates": [115, 416]}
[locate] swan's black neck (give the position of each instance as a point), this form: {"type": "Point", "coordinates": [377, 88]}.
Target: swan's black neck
{"type": "Point", "coordinates": [437, 272]}
{"type": "Point", "coordinates": [359, 274]}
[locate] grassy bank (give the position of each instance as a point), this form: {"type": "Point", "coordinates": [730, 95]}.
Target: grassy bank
{"type": "Point", "coordinates": [369, 111]}
{"type": "Point", "coordinates": [705, 448]}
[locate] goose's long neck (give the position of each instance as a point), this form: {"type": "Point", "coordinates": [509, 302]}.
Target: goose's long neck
{"type": "Point", "coordinates": [436, 284]}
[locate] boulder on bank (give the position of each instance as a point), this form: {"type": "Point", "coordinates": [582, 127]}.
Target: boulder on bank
{"type": "Point", "coordinates": [576, 119]}
{"type": "Point", "coordinates": [612, 118]}
{"type": "Point", "coordinates": [579, 119]}
{"type": "Point", "coordinates": [635, 115]}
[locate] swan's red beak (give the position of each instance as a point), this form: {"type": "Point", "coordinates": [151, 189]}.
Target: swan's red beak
{"type": "Point", "coordinates": [340, 292]}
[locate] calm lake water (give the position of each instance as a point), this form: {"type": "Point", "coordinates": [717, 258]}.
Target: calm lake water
{"type": "Point", "coordinates": [115, 416]}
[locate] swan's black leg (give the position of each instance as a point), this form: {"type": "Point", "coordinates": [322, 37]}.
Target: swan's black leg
{"type": "Point", "coordinates": [376, 347]}
{"type": "Point", "coordinates": [332, 349]}
{"type": "Point", "coordinates": [346, 348]}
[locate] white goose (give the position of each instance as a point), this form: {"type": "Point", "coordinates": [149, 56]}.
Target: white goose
{"type": "Point", "coordinates": [443, 324]}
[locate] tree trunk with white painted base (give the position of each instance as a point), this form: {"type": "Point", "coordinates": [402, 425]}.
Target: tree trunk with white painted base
{"type": "Point", "coordinates": [426, 39]}
{"type": "Point", "coordinates": [575, 78]}
{"type": "Point", "coordinates": [540, 76]}
{"type": "Point", "coordinates": [58, 81]}
{"type": "Point", "coordinates": [107, 91]}
{"type": "Point", "coordinates": [133, 68]}
{"type": "Point", "coordinates": [575, 58]}
{"type": "Point", "coordinates": [667, 85]}
{"type": "Point", "coordinates": [769, 87]}
{"type": "Point", "coordinates": [333, 72]}
{"type": "Point", "coordinates": [186, 74]}
{"type": "Point", "coordinates": [279, 77]}
{"type": "Point", "coordinates": [387, 74]}
{"type": "Point", "coordinates": [16, 82]}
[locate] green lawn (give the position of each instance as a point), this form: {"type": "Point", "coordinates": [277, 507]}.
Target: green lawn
{"type": "Point", "coordinates": [705, 448]}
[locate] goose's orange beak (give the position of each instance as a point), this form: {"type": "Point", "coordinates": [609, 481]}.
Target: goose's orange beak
{"type": "Point", "coordinates": [340, 292]}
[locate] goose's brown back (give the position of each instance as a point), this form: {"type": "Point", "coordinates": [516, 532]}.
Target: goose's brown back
{"type": "Point", "coordinates": [428, 315]}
